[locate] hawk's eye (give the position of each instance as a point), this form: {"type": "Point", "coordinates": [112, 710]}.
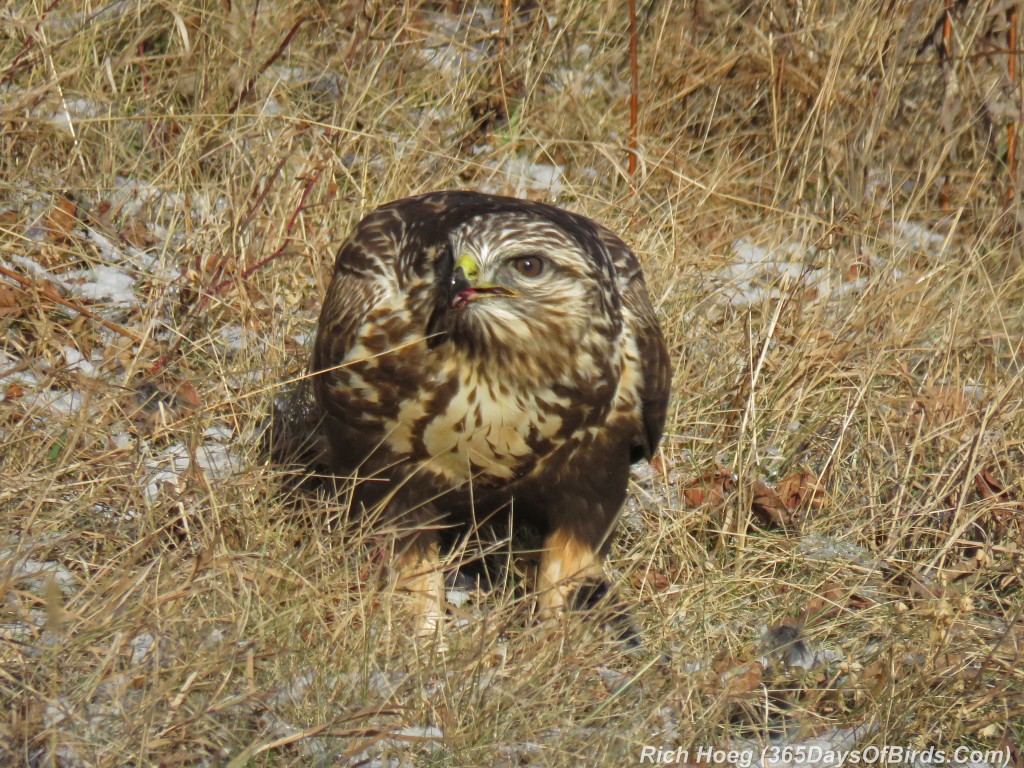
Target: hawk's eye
{"type": "Point", "coordinates": [529, 266]}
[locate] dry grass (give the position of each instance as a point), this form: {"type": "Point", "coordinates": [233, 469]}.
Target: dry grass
{"type": "Point", "coordinates": [217, 621]}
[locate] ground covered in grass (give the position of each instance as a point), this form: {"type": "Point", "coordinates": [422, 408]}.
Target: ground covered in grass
{"type": "Point", "coordinates": [827, 553]}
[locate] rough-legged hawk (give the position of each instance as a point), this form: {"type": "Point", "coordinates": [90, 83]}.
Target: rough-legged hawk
{"type": "Point", "coordinates": [482, 356]}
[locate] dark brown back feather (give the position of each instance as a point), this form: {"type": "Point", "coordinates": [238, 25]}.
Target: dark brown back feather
{"type": "Point", "coordinates": [657, 371]}
{"type": "Point", "coordinates": [654, 359]}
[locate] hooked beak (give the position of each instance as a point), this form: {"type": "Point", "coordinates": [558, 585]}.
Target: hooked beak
{"type": "Point", "coordinates": [464, 286]}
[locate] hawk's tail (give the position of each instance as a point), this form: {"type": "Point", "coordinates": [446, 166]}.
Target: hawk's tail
{"type": "Point", "coordinates": [292, 436]}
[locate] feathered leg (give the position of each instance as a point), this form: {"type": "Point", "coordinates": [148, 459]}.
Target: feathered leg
{"type": "Point", "coordinates": [565, 562]}
{"type": "Point", "coordinates": [417, 573]}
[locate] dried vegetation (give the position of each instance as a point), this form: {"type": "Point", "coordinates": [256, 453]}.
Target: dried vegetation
{"type": "Point", "coordinates": [827, 203]}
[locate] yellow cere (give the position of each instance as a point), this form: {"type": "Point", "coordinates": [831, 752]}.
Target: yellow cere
{"type": "Point", "coordinates": [469, 267]}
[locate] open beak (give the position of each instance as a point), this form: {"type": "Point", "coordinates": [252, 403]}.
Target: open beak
{"type": "Point", "coordinates": [465, 288]}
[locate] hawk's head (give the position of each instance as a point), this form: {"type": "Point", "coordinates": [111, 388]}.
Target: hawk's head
{"type": "Point", "coordinates": [516, 283]}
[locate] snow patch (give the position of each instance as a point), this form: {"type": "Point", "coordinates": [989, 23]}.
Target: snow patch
{"type": "Point", "coordinates": [522, 177]}
{"type": "Point", "coordinates": [453, 52]}
{"type": "Point", "coordinates": [37, 270]}
{"type": "Point", "coordinates": [817, 546]}
{"type": "Point", "coordinates": [232, 337]}
{"type": "Point", "coordinates": [35, 573]}
{"type": "Point", "coordinates": [73, 110]}
{"type": "Point", "coordinates": [58, 401]}
{"type": "Point", "coordinates": [760, 274]}
{"type": "Point", "coordinates": [213, 456]}
{"type": "Point", "coordinates": [141, 645]}
{"type": "Point", "coordinates": [79, 363]}
{"type": "Point", "coordinates": [105, 282]}
{"type": "Point", "coordinates": [919, 236]}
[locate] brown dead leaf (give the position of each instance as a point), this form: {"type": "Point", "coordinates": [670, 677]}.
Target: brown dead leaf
{"type": "Point", "coordinates": [924, 589]}
{"type": "Point", "coordinates": [61, 220]}
{"type": "Point", "coordinates": [990, 487]}
{"type": "Point", "coordinates": [10, 302]}
{"type": "Point", "coordinates": [874, 678]}
{"type": "Point", "coordinates": [103, 213]}
{"type": "Point", "coordinates": [137, 233]}
{"type": "Point", "coordinates": [965, 567]}
{"type": "Point", "coordinates": [1004, 505]}
{"type": "Point", "coordinates": [941, 404]}
{"type": "Point", "coordinates": [963, 666]}
{"type": "Point", "coordinates": [658, 465]}
{"type": "Point", "coordinates": [164, 400]}
{"type": "Point", "coordinates": [856, 267]}
{"type": "Point", "coordinates": [832, 600]}
{"type": "Point", "coordinates": [294, 347]}
{"type": "Point", "coordinates": [769, 506]}
{"type": "Point", "coordinates": [801, 490]}
{"type": "Point", "coordinates": [652, 579]}
{"type": "Point", "coordinates": [185, 394]}
{"type": "Point", "coordinates": [14, 392]}
{"type": "Point", "coordinates": [9, 219]}
{"type": "Point", "coordinates": [742, 679]}
{"type": "Point", "coordinates": [711, 489]}
{"type": "Point", "coordinates": [215, 263]}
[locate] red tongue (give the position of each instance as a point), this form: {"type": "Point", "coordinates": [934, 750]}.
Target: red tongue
{"type": "Point", "coordinates": [466, 295]}
{"type": "Point", "coordinates": [463, 297]}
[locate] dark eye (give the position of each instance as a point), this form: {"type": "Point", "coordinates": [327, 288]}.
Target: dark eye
{"type": "Point", "coordinates": [529, 266]}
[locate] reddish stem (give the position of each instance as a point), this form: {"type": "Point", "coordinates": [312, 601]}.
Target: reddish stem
{"type": "Point", "coordinates": [251, 84]}
{"type": "Point", "coordinates": [634, 88]}
{"type": "Point", "coordinates": [16, 62]}
{"type": "Point", "coordinates": [288, 230]}
{"type": "Point", "coordinates": [1011, 137]}
{"type": "Point", "coordinates": [219, 287]}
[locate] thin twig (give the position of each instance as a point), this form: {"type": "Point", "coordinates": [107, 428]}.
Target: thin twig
{"type": "Point", "coordinates": [634, 89]}
{"type": "Point", "coordinates": [274, 176]}
{"type": "Point", "coordinates": [947, 30]}
{"type": "Point", "coordinates": [506, 18]}
{"type": "Point", "coordinates": [1011, 129]}
{"type": "Point", "coordinates": [251, 84]}
{"type": "Point", "coordinates": [219, 287]}
{"type": "Point", "coordinates": [10, 71]}
{"type": "Point", "coordinates": [288, 230]}
{"type": "Point", "coordinates": [244, 222]}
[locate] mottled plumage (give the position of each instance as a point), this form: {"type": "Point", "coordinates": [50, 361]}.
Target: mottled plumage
{"type": "Point", "coordinates": [482, 355]}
